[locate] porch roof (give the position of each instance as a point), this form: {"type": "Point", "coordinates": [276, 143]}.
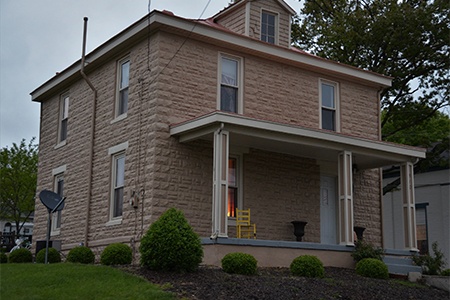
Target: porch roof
{"type": "Point", "coordinates": [318, 144]}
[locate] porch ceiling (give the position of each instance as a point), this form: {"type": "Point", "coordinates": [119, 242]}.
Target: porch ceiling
{"type": "Point", "coordinates": [295, 140]}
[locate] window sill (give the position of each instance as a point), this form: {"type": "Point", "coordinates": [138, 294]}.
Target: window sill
{"type": "Point", "coordinates": [119, 118]}
{"type": "Point", "coordinates": [60, 144]}
{"type": "Point", "coordinates": [55, 232]}
{"type": "Point", "coordinates": [114, 222]}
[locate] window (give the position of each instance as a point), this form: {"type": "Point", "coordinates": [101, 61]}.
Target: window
{"type": "Point", "coordinates": [118, 180]}
{"type": "Point", "coordinates": [59, 189]}
{"type": "Point", "coordinates": [268, 27]}
{"type": "Point", "coordinates": [229, 84]}
{"type": "Point", "coordinates": [123, 83]}
{"type": "Point", "coordinates": [422, 228]}
{"type": "Point", "coordinates": [234, 185]}
{"type": "Point", "coordinates": [329, 105]}
{"type": "Point", "coordinates": [64, 116]}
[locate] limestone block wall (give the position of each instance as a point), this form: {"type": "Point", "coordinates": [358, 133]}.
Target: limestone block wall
{"type": "Point", "coordinates": [367, 210]}
{"type": "Point", "coordinates": [279, 188]}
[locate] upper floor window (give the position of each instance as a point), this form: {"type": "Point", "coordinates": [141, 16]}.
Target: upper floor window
{"type": "Point", "coordinates": [122, 87]}
{"type": "Point", "coordinates": [63, 117]}
{"type": "Point", "coordinates": [329, 105]}
{"type": "Point", "coordinates": [230, 92]}
{"type": "Point", "coordinates": [268, 27]}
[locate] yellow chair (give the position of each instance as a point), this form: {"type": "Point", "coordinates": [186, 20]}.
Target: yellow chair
{"type": "Point", "coordinates": [245, 229]}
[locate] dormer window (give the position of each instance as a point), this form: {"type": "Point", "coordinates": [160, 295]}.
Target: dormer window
{"type": "Point", "coordinates": [268, 27]}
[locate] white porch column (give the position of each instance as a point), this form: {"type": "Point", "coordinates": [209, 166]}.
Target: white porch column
{"type": "Point", "coordinates": [409, 209]}
{"type": "Point", "coordinates": [345, 179]}
{"type": "Point", "coordinates": [220, 183]}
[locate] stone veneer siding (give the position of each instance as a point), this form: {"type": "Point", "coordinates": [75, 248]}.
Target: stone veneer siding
{"type": "Point", "coordinates": [180, 175]}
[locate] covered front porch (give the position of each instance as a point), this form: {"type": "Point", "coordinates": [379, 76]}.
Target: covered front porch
{"type": "Point", "coordinates": [310, 175]}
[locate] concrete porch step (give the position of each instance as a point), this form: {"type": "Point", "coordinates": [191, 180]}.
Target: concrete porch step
{"type": "Point", "coordinates": [401, 265]}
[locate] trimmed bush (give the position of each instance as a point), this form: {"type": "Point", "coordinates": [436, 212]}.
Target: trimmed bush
{"type": "Point", "coordinates": [366, 250]}
{"type": "Point", "coordinates": [446, 272]}
{"type": "Point", "coordinates": [373, 268]}
{"type": "Point", "coordinates": [116, 254]}
{"type": "Point", "coordinates": [53, 256]}
{"type": "Point", "coordinates": [21, 255]}
{"type": "Point", "coordinates": [170, 244]}
{"type": "Point", "coordinates": [82, 255]}
{"type": "Point", "coordinates": [3, 258]}
{"type": "Point", "coordinates": [307, 266]}
{"type": "Point", "coordinates": [239, 263]}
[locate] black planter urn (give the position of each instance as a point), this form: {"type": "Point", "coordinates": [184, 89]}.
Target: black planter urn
{"type": "Point", "coordinates": [299, 229]}
{"type": "Point", "coordinates": [359, 232]}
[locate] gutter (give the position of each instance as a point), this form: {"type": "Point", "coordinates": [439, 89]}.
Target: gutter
{"type": "Point", "coordinates": [92, 138]}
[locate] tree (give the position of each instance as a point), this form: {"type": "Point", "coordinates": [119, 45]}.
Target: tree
{"type": "Point", "coordinates": [18, 178]}
{"type": "Point", "coordinates": [407, 40]}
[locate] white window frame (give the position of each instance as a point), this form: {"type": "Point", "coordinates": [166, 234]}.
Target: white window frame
{"type": "Point", "coordinates": [63, 119]}
{"type": "Point", "coordinates": [276, 26]}
{"type": "Point", "coordinates": [115, 153]}
{"type": "Point", "coordinates": [336, 103]}
{"type": "Point", "coordinates": [56, 216]}
{"type": "Point", "coordinates": [58, 174]}
{"type": "Point", "coordinates": [239, 174]}
{"type": "Point", "coordinates": [119, 89]}
{"type": "Point", "coordinates": [240, 82]}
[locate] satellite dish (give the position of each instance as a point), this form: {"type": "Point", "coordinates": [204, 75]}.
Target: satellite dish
{"type": "Point", "coordinates": [52, 200]}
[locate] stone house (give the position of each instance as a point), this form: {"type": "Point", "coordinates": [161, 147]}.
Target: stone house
{"type": "Point", "coordinates": [212, 115]}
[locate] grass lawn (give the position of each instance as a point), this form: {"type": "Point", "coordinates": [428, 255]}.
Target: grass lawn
{"type": "Point", "coordinates": [73, 281]}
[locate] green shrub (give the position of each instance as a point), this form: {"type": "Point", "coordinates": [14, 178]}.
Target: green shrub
{"type": "Point", "coordinates": [116, 254]}
{"type": "Point", "coordinates": [373, 268]}
{"type": "Point", "coordinates": [170, 244]}
{"type": "Point", "coordinates": [366, 250]}
{"type": "Point", "coordinates": [21, 255]}
{"type": "Point", "coordinates": [431, 265]}
{"type": "Point", "coordinates": [239, 263]}
{"type": "Point", "coordinates": [307, 266]}
{"type": "Point", "coordinates": [3, 258]}
{"type": "Point", "coordinates": [82, 255]}
{"type": "Point", "coordinates": [53, 256]}
{"type": "Point", "coordinates": [445, 272]}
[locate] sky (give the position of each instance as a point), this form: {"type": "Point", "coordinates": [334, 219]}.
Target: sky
{"type": "Point", "coordinates": [41, 37]}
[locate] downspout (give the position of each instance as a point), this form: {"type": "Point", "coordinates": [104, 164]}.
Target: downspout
{"type": "Point", "coordinates": [380, 171]}
{"type": "Point", "coordinates": [91, 154]}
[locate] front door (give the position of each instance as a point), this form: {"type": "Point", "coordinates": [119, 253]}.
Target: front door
{"type": "Point", "coordinates": [328, 224]}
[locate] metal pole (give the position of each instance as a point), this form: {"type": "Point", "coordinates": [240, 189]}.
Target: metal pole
{"type": "Point", "coordinates": [49, 227]}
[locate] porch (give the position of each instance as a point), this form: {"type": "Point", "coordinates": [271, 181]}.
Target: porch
{"type": "Point", "coordinates": [323, 154]}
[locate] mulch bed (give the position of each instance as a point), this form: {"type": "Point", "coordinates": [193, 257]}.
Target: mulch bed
{"type": "Point", "coordinates": [277, 283]}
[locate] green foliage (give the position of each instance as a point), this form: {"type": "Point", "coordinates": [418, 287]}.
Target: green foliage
{"type": "Point", "coordinates": [407, 40]}
{"type": "Point", "coordinates": [431, 265]}
{"type": "Point", "coordinates": [116, 254]}
{"type": "Point", "coordinates": [18, 178]}
{"type": "Point", "coordinates": [3, 258]}
{"type": "Point", "coordinates": [239, 263]}
{"type": "Point", "coordinates": [21, 255]}
{"type": "Point", "coordinates": [373, 268]}
{"type": "Point", "coordinates": [171, 244]}
{"type": "Point", "coordinates": [82, 255]}
{"type": "Point", "coordinates": [307, 266]}
{"type": "Point", "coordinates": [364, 250]}
{"type": "Point", "coordinates": [53, 256]}
{"type": "Point", "coordinates": [445, 272]}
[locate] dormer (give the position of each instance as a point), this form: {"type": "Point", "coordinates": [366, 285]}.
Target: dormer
{"type": "Point", "coordinates": [265, 20]}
